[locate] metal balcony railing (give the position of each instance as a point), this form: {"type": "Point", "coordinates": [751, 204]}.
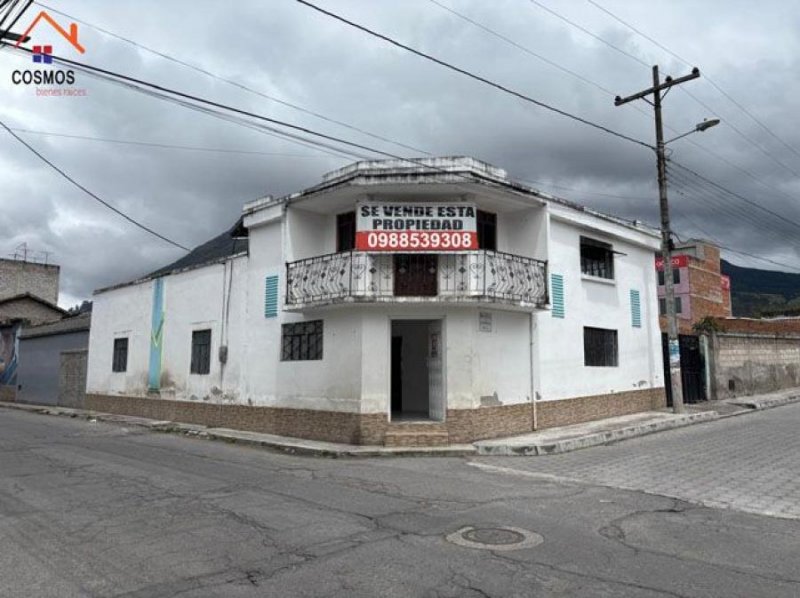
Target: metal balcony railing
{"type": "Point", "coordinates": [469, 276]}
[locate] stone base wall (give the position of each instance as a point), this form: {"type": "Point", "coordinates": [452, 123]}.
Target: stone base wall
{"type": "Point", "coordinates": [564, 412]}
{"type": "Point", "coordinates": [8, 393]}
{"type": "Point", "coordinates": [72, 378]}
{"type": "Point", "coordinates": [462, 425]}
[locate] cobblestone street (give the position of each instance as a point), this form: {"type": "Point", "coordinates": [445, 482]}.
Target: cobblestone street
{"type": "Point", "coordinates": [749, 463]}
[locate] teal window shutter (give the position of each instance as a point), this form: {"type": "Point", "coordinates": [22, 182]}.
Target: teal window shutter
{"type": "Point", "coordinates": [636, 309]}
{"type": "Point", "coordinates": [557, 288]}
{"type": "Point", "coordinates": [271, 297]}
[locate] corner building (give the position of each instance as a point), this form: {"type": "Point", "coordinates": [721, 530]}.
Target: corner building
{"type": "Point", "coordinates": [315, 318]}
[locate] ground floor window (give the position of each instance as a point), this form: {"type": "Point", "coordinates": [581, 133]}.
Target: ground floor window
{"type": "Point", "coordinates": [201, 352]}
{"type": "Point", "coordinates": [600, 347]}
{"type": "Point", "coordinates": [301, 341]}
{"type": "Point", "coordinates": [119, 363]}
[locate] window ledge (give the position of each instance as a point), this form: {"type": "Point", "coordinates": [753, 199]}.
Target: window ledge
{"type": "Point", "coordinates": [590, 278]}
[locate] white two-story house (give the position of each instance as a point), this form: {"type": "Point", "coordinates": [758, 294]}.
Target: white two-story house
{"type": "Point", "coordinates": [396, 302]}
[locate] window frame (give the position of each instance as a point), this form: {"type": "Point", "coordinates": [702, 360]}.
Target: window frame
{"type": "Point", "coordinates": [119, 354]}
{"type": "Point", "coordinates": [606, 355]}
{"type": "Point", "coordinates": [200, 359]}
{"type": "Point", "coordinates": [302, 341]}
{"type": "Point", "coordinates": [605, 265]}
{"type": "Point", "coordinates": [662, 306]}
{"type": "Point", "coordinates": [676, 277]}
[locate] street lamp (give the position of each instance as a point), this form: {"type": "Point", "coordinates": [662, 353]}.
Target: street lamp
{"type": "Point", "coordinates": [699, 128]}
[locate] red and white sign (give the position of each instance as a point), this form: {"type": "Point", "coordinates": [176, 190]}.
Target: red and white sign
{"type": "Point", "coordinates": [678, 261]}
{"type": "Point", "coordinates": [407, 227]}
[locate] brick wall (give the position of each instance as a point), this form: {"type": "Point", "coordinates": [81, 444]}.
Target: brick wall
{"type": "Point", "coordinates": [462, 425]}
{"type": "Point", "coordinates": [17, 277]}
{"type": "Point", "coordinates": [72, 378]}
{"type": "Point", "coordinates": [551, 414]}
{"type": "Point", "coordinates": [747, 363]}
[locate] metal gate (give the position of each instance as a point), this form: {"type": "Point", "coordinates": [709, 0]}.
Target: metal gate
{"type": "Point", "coordinates": [692, 369]}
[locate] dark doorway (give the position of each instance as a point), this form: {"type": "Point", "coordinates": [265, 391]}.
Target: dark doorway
{"type": "Point", "coordinates": [397, 374]}
{"type": "Point", "coordinates": [410, 376]}
{"type": "Point", "coordinates": [415, 275]}
{"type": "Point", "coordinates": [692, 369]}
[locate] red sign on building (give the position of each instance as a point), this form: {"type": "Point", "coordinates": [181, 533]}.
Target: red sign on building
{"type": "Point", "coordinates": [407, 227]}
{"type": "Point", "coordinates": [678, 261]}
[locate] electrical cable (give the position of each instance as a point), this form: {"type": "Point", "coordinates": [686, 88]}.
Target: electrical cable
{"type": "Point", "coordinates": [90, 193]}
{"type": "Point", "coordinates": [475, 77]}
{"type": "Point", "coordinates": [235, 83]}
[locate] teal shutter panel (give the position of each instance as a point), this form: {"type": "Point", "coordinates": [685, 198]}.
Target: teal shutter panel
{"type": "Point", "coordinates": [557, 288]}
{"type": "Point", "coordinates": [636, 309]}
{"type": "Point", "coordinates": [271, 297]}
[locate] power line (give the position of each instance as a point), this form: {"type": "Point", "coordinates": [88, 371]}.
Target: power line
{"type": "Point", "coordinates": [194, 98]}
{"type": "Point", "coordinates": [235, 83]}
{"type": "Point", "coordinates": [711, 81]}
{"type": "Point", "coordinates": [90, 193]}
{"type": "Point", "coordinates": [159, 145]}
{"type": "Point", "coordinates": [474, 76]}
{"type": "Point", "coordinates": [706, 150]}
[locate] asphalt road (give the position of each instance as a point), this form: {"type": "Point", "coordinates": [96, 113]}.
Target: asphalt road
{"type": "Point", "coordinates": [94, 509]}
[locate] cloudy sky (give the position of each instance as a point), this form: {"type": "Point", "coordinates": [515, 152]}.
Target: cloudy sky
{"type": "Point", "coordinates": [287, 51]}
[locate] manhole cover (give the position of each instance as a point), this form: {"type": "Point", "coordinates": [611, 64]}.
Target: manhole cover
{"type": "Point", "coordinates": [495, 538]}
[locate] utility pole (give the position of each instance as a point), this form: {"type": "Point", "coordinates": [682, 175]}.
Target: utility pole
{"type": "Point", "coordinates": [666, 234]}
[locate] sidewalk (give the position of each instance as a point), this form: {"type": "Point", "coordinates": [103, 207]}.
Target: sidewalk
{"type": "Point", "coordinates": [545, 442]}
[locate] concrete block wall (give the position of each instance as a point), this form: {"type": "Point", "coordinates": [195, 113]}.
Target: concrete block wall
{"type": "Point", "coordinates": [752, 363]}
{"type": "Point", "coordinates": [72, 378]}
{"type": "Point", "coordinates": [18, 277]}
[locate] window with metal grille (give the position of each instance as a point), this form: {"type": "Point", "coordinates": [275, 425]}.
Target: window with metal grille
{"type": "Point", "coordinates": [119, 363]}
{"type": "Point", "coordinates": [600, 347]}
{"type": "Point", "coordinates": [597, 258]}
{"type": "Point", "coordinates": [346, 231]}
{"type": "Point", "coordinates": [271, 297]}
{"type": "Point", "coordinates": [557, 292]}
{"type": "Point", "coordinates": [676, 277]}
{"type": "Point", "coordinates": [636, 309]}
{"type": "Point", "coordinates": [662, 306]}
{"type": "Point", "coordinates": [301, 341]}
{"type": "Point", "coordinates": [486, 223]}
{"type": "Point", "coordinates": [201, 352]}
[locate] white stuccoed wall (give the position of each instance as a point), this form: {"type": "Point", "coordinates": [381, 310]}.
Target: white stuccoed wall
{"type": "Point", "coordinates": [560, 370]}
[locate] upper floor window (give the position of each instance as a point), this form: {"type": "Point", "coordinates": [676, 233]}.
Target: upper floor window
{"type": "Point", "coordinates": [676, 277]}
{"type": "Point", "coordinates": [201, 352]}
{"type": "Point", "coordinates": [486, 223]}
{"type": "Point", "coordinates": [662, 306]}
{"type": "Point", "coordinates": [597, 258]}
{"type": "Point", "coordinates": [346, 231]}
{"type": "Point", "coordinates": [119, 362]}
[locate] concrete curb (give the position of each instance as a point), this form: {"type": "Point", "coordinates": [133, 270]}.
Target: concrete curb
{"type": "Point", "coordinates": [299, 446]}
{"type": "Point", "coordinates": [766, 403]}
{"type": "Point", "coordinates": [574, 444]}
{"type": "Point", "coordinates": [295, 446]}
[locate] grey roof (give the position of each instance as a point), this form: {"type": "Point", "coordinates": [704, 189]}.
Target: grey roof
{"type": "Point", "coordinates": [32, 297]}
{"type": "Point", "coordinates": [79, 323]}
{"type": "Point", "coordinates": [232, 242]}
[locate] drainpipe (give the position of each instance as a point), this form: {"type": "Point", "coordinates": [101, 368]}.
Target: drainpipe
{"type": "Point", "coordinates": [531, 328]}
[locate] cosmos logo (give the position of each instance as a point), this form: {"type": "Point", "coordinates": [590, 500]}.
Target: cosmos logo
{"type": "Point", "coordinates": [43, 54]}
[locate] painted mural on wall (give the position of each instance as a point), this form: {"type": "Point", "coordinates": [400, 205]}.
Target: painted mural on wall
{"type": "Point", "coordinates": [9, 349]}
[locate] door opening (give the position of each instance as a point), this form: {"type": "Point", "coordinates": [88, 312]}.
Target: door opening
{"type": "Point", "coordinates": [416, 370]}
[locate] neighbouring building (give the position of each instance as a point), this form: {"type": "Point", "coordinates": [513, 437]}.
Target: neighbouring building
{"type": "Point", "coordinates": [701, 290]}
{"type": "Point", "coordinates": [52, 362]}
{"type": "Point", "coordinates": [28, 295]}
{"type": "Point", "coordinates": [396, 302]}
{"type": "Point", "coordinates": [20, 277]}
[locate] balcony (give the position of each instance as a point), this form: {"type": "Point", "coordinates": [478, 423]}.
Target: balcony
{"type": "Point", "coordinates": [482, 277]}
